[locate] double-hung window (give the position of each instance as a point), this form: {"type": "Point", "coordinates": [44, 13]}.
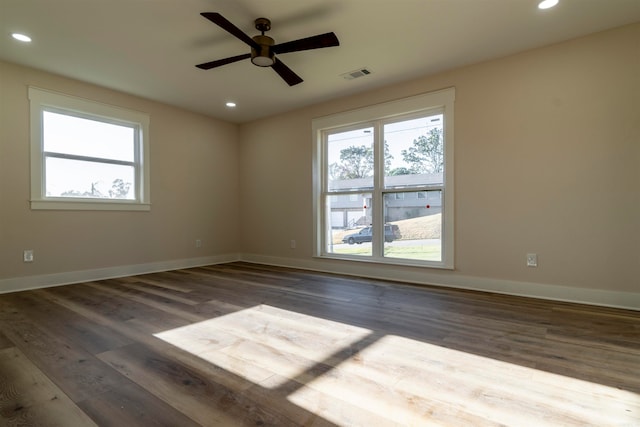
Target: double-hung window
{"type": "Point", "coordinates": [383, 182]}
{"type": "Point", "coordinates": [87, 155]}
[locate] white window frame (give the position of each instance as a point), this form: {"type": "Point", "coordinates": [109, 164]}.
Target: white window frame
{"type": "Point", "coordinates": [432, 102]}
{"type": "Point", "coordinates": [43, 100]}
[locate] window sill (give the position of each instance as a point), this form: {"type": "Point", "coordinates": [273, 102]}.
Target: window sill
{"type": "Point", "coordinates": [88, 205]}
{"type": "Point", "coordinates": [388, 261]}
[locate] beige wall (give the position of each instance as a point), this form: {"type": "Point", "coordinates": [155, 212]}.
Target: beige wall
{"type": "Point", "coordinates": [547, 157]}
{"type": "Point", "coordinates": [194, 190]}
{"type": "Point", "coordinates": [547, 161]}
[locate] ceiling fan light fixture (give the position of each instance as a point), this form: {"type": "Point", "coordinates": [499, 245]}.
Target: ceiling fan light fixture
{"type": "Point", "coordinates": [261, 55]}
{"type": "Point", "coordinates": [263, 61]}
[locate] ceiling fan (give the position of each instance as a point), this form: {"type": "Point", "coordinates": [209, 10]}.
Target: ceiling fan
{"type": "Point", "coordinates": [264, 49]}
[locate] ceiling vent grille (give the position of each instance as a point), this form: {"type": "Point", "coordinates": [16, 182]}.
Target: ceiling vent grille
{"type": "Point", "coordinates": [361, 72]}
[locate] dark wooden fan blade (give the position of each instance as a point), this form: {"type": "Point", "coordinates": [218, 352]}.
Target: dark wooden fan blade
{"type": "Point", "coordinates": [223, 23]}
{"type": "Point", "coordinates": [313, 42]}
{"type": "Point", "coordinates": [285, 72]}
{"type": "Point", "coordinates": [219, 62]}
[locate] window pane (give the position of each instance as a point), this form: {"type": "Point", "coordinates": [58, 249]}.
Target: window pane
{"type": "Point", "coordinates": [349, 231]}
{"type": "Point", "coordinates": [75, 178]}
{"type": "Point", "coordinates": [414, 152]}
{"type": "Point", "coordinates": [413, 225]}
{"type": "Point", "coordinates": [350, 159]}
{"type": "Point", "coordinates": [90, 138]}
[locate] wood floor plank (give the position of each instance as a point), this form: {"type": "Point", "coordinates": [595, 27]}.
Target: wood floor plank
{"type": "Point", "coordinates": [116, 305]}
{"type": "Point", "coordinates": [58, 321]}
{"type": "Point", "coordinates": [311, 407]}
{"type": "Point", "coordinates": [165, 293]}
{"type": "Point", "coordinates": [133, 406]}
{"type": "Point", "coordinates": [278, 286]}
{"type": "Point", "coordinates": [158, 281]}
{"type": "Point", "coordinates": [4, 341]}
{"type": "Point", "coordinates": [190, 391]}
{"type": "Point", "coordinates": [117, 308]}
{"type": "Point", "coordinates": [29, 398]}
{"type": "Point", "coordinates": [78, 373]}
{"type": "Point", "coordinates": [166, 305]}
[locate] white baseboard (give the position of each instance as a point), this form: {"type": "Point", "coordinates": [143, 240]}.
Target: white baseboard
{"type": "Point", "coordinates": [67, 278]}
{"type": "Point", "coordinates": [598, 297]}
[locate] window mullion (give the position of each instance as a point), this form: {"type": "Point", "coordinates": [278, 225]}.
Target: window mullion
{"type": "Point", "coordinates": [378, 200]}
{"type": "Point", "coordinates": [87, 158]}
{"type": "Point", "coordinates": [137, 158]}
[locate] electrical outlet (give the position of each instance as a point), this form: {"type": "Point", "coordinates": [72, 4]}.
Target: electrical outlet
{"type": "Point", "coordinates": [293, 244]}
{"type": "Point", "coordinates": [532, 260]}
{"type": "Point", "coordinates": [198, 243]}
{"type": "Point", "coordinates": [27, 255]}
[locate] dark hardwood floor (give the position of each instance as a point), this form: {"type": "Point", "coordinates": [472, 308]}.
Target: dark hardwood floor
{"type": "Point", "coordinates": [243, 344]}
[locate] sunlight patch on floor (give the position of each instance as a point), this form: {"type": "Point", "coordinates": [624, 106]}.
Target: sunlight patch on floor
{"type": "Point", "coordinates": [259, 342]}
{"type": "Point", "coordinates": [412, 383]}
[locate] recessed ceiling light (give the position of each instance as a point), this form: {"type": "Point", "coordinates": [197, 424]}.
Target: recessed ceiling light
{"type": "Point", "coordinates": [21, 37]}
{"type": "Point", "coordinates": [230, 104]}
{"type": "Point", "coordinates": [547, 4]}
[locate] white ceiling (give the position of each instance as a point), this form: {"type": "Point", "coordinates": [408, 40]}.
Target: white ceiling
{"type": "Point", "coordinates": [149, 48]}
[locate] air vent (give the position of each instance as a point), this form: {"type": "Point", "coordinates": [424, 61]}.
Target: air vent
{"type": "Point", "coordinates": [356, 74]}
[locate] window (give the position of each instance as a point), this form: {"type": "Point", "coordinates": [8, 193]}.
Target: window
{"type": "Point", "coordinates": [391, 166]}
{"type": "Point", "coordinates": [87, 155]}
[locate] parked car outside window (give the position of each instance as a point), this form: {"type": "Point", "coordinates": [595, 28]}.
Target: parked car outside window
{"type": "Point", "coordinates": [391, 233]}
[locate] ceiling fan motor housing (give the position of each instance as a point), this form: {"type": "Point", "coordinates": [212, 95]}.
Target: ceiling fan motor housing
{"type": "Point", "coordinates": [262, 56]}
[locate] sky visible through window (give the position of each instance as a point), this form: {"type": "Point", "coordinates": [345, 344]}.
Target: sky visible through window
{"type": "Point", "coordinates": [399, 136]}
{"type": "Point", "coordinates": [88, 158]}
